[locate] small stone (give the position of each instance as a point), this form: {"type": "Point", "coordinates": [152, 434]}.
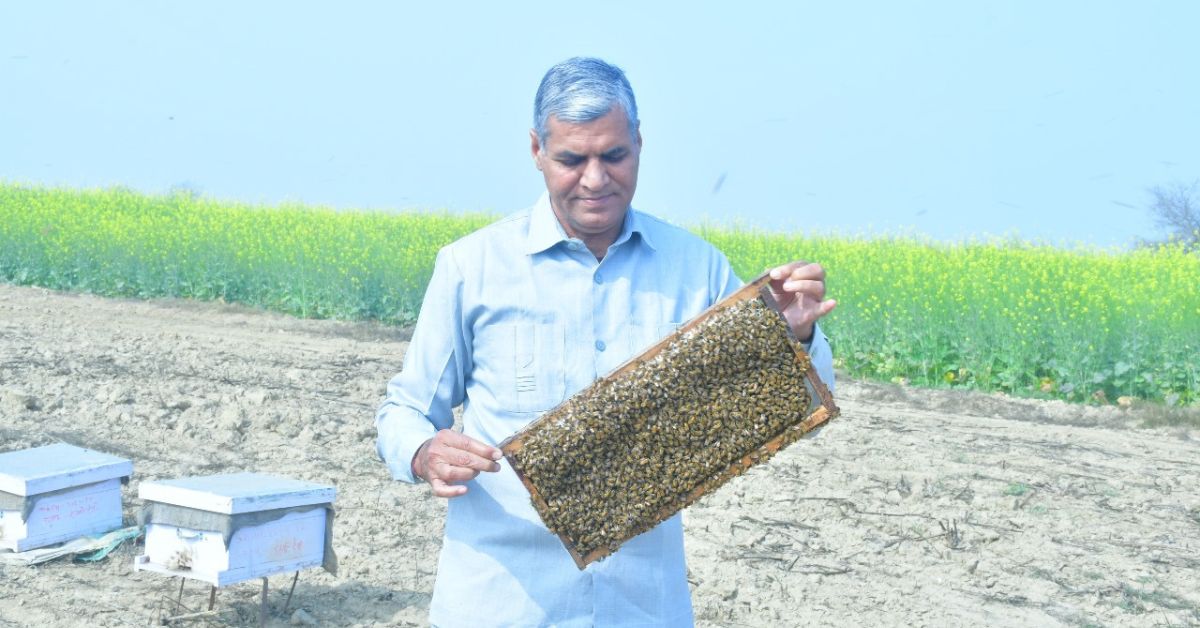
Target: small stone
{"type": "Point", "coordinates": [120, 395]}
{"type": "Point", "coordinates": [302, 618]}
{"type": "Point", "coordinates": [231, 418]}
{"type": "Point", "coordinates": [18, 401]}
{"type": "Point", "coordinates": [258, 397]}
{"type": "Point", "coordinates": [287, 428]}
{"type": "Point", "coordinates": [408, 616]}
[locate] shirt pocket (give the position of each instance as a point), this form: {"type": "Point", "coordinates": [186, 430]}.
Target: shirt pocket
{"type": "Point", "coordinates": [530, 364]}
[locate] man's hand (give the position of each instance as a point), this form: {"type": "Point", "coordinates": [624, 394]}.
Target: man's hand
{"type": "Point", "coordinates": [799, 288]}
{"type": "Point", "coordinates": [451, 457]}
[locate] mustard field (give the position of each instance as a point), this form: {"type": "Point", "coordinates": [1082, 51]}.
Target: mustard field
{"type": "Point", "coordinates": [1080, 324]}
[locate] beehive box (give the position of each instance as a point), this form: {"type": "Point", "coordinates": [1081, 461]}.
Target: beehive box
{"type": "Point", "coordinates": [725, 392]}
{"type": "Point", "coordinates": [58, 492]}
{"type": "Point", "coordinates": [227, 528]}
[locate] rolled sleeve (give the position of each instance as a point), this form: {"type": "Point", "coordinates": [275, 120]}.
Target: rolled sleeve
{"type": "Point", "coordinates": [421, 398]}
{"type": "Point", "coordinates": [821, 355]}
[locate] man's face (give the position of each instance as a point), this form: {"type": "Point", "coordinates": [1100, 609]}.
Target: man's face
{"type": "Point", "coordinates": [591, 172]}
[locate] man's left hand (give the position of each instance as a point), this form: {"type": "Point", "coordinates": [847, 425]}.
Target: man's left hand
{"type": "Point", "coordinates": [799, 288]}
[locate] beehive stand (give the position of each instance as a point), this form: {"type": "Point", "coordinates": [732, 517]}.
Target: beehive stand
{"type": "Point", "coordinates": [713, 321]}
{"type": "Point", "coordinates": [181, 613]}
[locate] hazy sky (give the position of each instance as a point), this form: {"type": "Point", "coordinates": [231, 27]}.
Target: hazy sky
{"type": "Point", "coordinates": [1045, 119]}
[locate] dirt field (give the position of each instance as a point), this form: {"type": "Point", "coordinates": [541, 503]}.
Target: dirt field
{"type": "Point", "coordinates": [911, 509]}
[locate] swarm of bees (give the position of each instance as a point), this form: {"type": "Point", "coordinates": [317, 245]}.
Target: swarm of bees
{"type": "Point", "coordinates": [722, 394]}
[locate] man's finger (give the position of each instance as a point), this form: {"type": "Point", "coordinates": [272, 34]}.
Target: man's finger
{"type": "Point", "coordinates": [450, 473]}
{"type": "Point", "coordinates": [466, 459]}
{"type": "Point", "coordinates": [781, 272]}
{"type": "Point", "coordinates": [805, 270]}
{"type": "Point", "coordinates": [442, 489]}
{"type": "Point", "coordinates": [463, 458]}
{"type": "Point", "coordinates": [446, 465]}
{"type": "Point", "coordinates": [466, 443]}
{"type": "Point", "coordinates": [808, 287]}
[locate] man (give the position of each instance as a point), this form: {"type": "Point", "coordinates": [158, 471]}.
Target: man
{"type": "Point", "coordinates": [522, 314]}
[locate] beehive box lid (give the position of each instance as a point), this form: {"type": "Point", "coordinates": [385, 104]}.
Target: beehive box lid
{"type": "Point", "coordinates": [236, 493]}
{"type": "Point", "coordinates": [569, 457]}
{"type": "Point", "coordinates": [52, 467]}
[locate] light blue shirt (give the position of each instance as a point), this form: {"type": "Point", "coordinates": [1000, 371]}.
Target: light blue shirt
{"type": "Point", "coordinates": [517, 318]}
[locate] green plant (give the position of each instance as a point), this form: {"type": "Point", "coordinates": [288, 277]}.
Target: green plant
{"type": "Point", "coordinates": [1009, 316]}
{"type": "Point", "coordinates": [1016, 489]}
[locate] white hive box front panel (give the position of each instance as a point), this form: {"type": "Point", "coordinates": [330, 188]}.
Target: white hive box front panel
{"type": "Point", "coordinates": [57, 493]}
{"type": "Point", "coordinates": [228, 528]}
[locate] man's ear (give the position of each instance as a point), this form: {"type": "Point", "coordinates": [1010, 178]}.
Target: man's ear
{"type": "Point", "coordinates": [535, 148]}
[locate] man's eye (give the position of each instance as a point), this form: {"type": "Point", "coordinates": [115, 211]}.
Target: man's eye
{"type": "Point", "coordinates": [613, 158]}
{"type": "Point", "coordinates": [570, 162]}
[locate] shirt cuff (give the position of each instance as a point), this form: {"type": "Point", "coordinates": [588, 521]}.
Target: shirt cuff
{"type": "Point", "coordinates": [398, 441]}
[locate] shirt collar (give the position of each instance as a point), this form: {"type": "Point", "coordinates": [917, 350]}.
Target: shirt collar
{"type": "Point", "coordinates": [636, 223]}
{"type": "Point", "coordinates": [545, 230]}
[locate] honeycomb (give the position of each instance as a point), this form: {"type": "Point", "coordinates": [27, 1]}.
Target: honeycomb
{"type": "Point", "coordinates": [722, 394]}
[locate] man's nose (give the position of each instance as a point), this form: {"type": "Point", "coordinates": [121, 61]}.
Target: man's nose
{"type": "Point", "coordinates": [595, 175]}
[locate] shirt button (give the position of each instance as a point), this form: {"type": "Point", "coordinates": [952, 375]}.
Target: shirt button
{"type": "Point", "coordinates": [600, 345]}
{"type": "Point", "coordinates": [598, 278]}
{"type": "Point", "coordinates": [574, 246]}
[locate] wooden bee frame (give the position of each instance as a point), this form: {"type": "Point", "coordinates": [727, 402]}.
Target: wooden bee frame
{"type": "Point", "coordinates": [820, 409]}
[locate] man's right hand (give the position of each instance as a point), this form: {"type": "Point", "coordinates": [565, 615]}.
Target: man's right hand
{"type": "Point", "coordinates": [451, 457]}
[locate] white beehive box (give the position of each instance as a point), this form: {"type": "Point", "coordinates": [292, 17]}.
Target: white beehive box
{"type": "Point", "coordinates": [223, 529]}
{"type": "Point", "coordinates": [58, 492]}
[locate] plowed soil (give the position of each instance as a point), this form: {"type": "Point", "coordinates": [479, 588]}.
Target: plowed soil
{"type": "Point", "coordinates": [913, 508]}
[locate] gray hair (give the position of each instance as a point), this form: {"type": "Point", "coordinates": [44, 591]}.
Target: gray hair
{"type": "Point", "coordinates": [582, 89]}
